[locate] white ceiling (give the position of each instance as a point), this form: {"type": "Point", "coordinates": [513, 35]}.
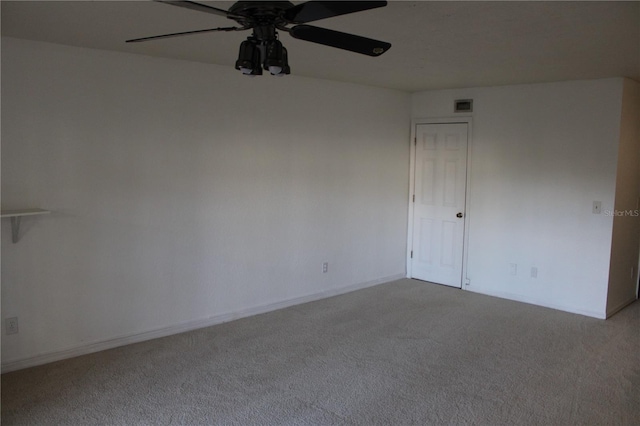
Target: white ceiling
{"type": "Point", "coordinates": [435, 44]}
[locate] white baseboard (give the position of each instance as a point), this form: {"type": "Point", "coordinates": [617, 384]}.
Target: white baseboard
{"type": "Point", "coordinates": [619, 307]}
{"type": "Point", "coordinates": [524, 299]}
{"type": "Point", "coordinates": [184, 327]}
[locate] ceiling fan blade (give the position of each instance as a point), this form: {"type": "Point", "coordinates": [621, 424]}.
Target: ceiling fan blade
{"type": "Point", "coordinates": [316, 10]}
{"type": "Point", "coordinates": [196, 6]}
{"type": "Point", "coordinates": [136, 40]}
{"type": "Point", "coordinates": [345, 41]}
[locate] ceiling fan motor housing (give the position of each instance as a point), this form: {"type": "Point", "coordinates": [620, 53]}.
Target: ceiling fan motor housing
{"type": "Point", "coordinates": [249, 13]}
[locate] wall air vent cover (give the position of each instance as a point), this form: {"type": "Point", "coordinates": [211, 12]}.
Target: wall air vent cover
{"type": "Point", "coordinates": [463, 105]}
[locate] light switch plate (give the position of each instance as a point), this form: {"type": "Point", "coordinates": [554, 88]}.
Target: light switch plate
{"type": "Point", "coordinates": [597, 207]}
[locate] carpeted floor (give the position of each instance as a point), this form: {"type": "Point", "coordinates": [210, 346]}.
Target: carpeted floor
{"type": "Point", "coordinates": [400, 353]}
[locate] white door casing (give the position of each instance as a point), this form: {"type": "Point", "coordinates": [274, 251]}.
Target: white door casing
{"type": "Point", "coordinates": [440, 181]}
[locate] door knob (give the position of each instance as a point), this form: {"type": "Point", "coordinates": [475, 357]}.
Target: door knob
{"type": "Point", "coordinates": [459, 214]}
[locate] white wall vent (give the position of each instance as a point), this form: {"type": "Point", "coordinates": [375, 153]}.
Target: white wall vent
{"type": "Point", "coordinates": [463, 105]}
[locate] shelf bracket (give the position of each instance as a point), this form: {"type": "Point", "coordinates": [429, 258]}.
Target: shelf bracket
{"type": "Point", "coordinates": [15, 229]}
{"type": "Point", "coordinates": [16, 215]}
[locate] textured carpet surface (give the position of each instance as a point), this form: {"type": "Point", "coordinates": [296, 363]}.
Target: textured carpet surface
{"type": "Point", "coordinates": [400, 353]}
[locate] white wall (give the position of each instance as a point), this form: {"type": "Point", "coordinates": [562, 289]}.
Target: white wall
{"type": "Point", "coordinates": [540, 155]}
{"type": "Point", "coordinates": [623, 281]}
{"type": "Point", "coordinates": [183, 194]}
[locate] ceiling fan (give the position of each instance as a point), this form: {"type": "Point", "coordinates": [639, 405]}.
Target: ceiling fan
{"type": "Point", "coordinates": [263, 49]}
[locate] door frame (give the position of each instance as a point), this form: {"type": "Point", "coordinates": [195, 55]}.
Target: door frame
{"type": "Point", "coordinates": [465, 279]}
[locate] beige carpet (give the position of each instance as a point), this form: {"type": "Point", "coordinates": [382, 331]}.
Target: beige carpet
{"type": "Point", "coordinates": [400, 353]}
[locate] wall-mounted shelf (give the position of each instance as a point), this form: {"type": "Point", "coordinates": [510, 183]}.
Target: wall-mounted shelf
{"type": "Point", "coordinates": [16, 215]}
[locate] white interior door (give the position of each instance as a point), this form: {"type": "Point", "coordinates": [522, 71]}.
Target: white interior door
{"type": "Point", "coordinates": [439, 205]}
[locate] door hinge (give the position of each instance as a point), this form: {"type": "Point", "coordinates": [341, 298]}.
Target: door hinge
{"type": "Point", "coordinates": [411, 254]}
{"type": "Point", "coordinates": [414, 198]}
{"type": "Point", "coordinates": [415, 141]}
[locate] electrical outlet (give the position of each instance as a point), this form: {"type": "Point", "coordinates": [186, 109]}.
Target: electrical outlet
{"type": "Point", "coordinates": [513, 269]}
{"type": "Point", "coordinates": [534, 272]}
{"type": "Point", "coordinates": [325, 267]}
{"type": "Point", "coordinates": [11, 325]}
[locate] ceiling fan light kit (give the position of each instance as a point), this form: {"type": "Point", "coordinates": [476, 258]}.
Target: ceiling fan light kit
{"type": "Point", "coordinates": [263, 49]}
{"type": "Point", "coordinates": [253, 50]}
